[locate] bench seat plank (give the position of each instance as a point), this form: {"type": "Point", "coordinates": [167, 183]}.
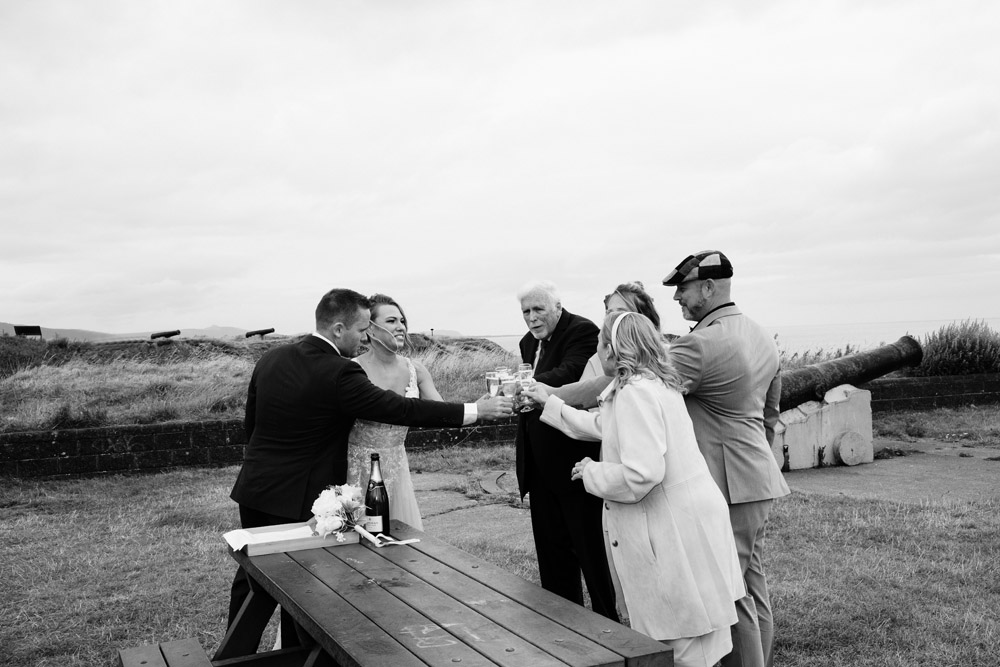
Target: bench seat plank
{"type": "Point", "coordinates": [184, 653]}
{"type": "Point", "coordinates": [449, 620]}
{"type": "Point", "coordinates": [178, 653]}
{"type": "Point", "coordinates": [141, 656]}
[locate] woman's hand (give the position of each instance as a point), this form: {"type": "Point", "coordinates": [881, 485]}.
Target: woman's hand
{"type": "Point", "coordinates": [580, 467]}
{"type": "Point", "coordinates": [537, 392]}
{"type": "Point", "coordinates": [490, 409]}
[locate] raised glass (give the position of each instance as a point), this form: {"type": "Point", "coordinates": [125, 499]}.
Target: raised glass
{"type": "Point", "coordinates": [508, 384]}
{"type": "Point", "coordinates": [525, 404]}
{"type": "Point", "coordinates": [493, 383]}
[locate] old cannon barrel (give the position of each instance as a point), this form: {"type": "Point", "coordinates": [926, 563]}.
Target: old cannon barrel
{"type": "Point", "coordinates": [259, 332]}
{"type": "Point", "coordinates": [810, 383]}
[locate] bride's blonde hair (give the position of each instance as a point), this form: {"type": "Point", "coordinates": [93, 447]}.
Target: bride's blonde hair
{"type": "Point", "coordinates": [638, 349]}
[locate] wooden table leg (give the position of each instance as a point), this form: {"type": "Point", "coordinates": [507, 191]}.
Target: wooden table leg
{"type": "Point", "coordinates": [243, 636]}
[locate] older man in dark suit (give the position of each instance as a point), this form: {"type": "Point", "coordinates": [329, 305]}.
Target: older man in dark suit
{"type": "Point", "coordinates": [729, 366]}
{"type": "Point", "coordinates": [565, 519]}
{"type": "Point", "coordinates": [301, 404]}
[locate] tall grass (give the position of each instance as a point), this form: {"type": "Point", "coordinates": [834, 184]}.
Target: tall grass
{"type": "Point", "coordinates": [810, 357]}
{"type": "Point", "coordinates": [960, 348]}
{"type": "Point", "coordinates": [459, 376]}
{"type": "Point", "coordinates": [78, 385]}
{"type": "Point", "coordinates": [82, 393]}
{"type": "Point", "coordinates": [62, 384]}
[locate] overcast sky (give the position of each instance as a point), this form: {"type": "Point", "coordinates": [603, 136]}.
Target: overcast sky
{"type": "Point", "coordinates": [181, 164]}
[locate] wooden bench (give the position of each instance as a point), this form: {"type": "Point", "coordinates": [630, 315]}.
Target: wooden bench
{"type": "Point", "coordinates": [189, 653]}
{"type": "Point", "coordinates": [179, 653]}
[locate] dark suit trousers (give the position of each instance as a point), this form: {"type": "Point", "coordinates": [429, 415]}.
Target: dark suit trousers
{"type": "Point", "coordinates": [569, 538]}
{"type": "Point", "coordinates": [250, 518]}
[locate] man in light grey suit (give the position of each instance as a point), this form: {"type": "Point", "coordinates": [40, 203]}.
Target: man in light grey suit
{"type": "Point", "coordinates": [730, 370]}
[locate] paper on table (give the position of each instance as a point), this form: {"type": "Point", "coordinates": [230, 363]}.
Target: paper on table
{"type": "Point", "coordinates": [295, 536]}
{"type": "Point", "coordinates": [237, 539]}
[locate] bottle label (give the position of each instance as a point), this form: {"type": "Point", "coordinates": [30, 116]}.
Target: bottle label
{"type": "Point", "coordinates": [373, 524]}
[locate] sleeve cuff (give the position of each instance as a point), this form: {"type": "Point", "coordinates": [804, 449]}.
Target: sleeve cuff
{"type": "Point", "coordinates": [471, 414]}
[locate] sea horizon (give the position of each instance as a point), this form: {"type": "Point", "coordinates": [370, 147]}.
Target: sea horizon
{"type": "Point", "coordinates": [800, 338]}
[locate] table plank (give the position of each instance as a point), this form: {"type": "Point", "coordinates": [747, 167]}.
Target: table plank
{"type": "Point", "coordinates": [637, 649]}
{"type": "Point", "coordinates": [409, 626]}
{"type": "Point", "coordinates": [446, 614]}
{"type": "Point", "coordinates": [328, 618]}
{"type": "Point", "coordinates": [565, 643]}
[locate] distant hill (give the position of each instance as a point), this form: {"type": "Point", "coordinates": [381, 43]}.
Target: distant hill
{"type": "Point", "coordinates": [50, 333]}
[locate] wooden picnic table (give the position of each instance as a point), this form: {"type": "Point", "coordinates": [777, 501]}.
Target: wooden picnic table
{"type": "Point", "coordinates": [426, 603]}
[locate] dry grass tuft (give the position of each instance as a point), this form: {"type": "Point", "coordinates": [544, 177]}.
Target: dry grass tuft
{"type": "Point", "coordinates": [83, 393]}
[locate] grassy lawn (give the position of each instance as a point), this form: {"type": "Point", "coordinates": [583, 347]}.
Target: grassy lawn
{"type": "Point", "coordinates": [91, 565]}
{"type": "Point", "coordinates": [968, 426]}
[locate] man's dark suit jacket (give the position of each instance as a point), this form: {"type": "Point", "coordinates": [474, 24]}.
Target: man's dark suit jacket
{"type": "Point", "coordinates": [564, 356]}
{"type": "Point", "coordinates": [301, 404]}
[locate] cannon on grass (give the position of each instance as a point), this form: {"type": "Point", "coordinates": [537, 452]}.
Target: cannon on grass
{"type": "Point", "coordinates": [259, 332]}
{"type": "Point", "coordinates": [825, 419]}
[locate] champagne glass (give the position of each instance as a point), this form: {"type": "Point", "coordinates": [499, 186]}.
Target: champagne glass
{"type": "Point", "coordinates": [508, 384]}
{"type": "Point", "coordinates": [525, 404]}
{"type": "Point", "coordinates": [524, 371]}
{"type": "Point", "coordinates": [493, 383]}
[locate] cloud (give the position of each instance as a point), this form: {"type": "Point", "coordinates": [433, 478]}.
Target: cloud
{"type": "Point", "coordinates": [184, 163]}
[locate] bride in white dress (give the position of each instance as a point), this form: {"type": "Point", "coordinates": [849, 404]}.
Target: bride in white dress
{"type": "Point", "coordinates": [388, 370]}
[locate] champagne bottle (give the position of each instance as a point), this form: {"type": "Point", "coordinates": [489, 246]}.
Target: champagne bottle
{"type": "Point", "coordinates": [376, 501]}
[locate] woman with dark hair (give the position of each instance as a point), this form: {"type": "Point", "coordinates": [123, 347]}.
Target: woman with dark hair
{"type": "Point", "coordinates": [631, 297]}
{"type": "Point", "coordinates": [387, 369]}
{"type": "Point", "coordinates": [668, 531]}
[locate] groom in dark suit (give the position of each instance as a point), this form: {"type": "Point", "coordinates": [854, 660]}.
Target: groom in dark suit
{"type": "Point", "coordinates": [301, 404]}
{"type": "Point", "coordinates": [565, 519]}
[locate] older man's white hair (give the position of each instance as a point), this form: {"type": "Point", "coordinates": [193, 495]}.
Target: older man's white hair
{"type": "Point", "coordinates": [544, 287]}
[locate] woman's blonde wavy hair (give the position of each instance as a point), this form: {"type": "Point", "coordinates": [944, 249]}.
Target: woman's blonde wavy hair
{"type": "Point", "coordinates": [638, 350]}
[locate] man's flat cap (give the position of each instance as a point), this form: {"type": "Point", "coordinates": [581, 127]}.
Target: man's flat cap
{"type": "Point", "coordinates": [701, 266]}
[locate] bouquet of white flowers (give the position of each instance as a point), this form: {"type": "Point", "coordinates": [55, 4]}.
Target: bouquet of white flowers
{"type": "Point", "coordinates": [338, 509]}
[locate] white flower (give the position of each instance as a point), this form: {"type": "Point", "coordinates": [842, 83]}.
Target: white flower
{"type": "Point", "coordinates": [327, 503]}
{"type": "Point", "coordinates": [353, 493]}
{"type": "Point", "coordinates": [328, 524]}
{"type": "Point", "coordinates": [336, 509]}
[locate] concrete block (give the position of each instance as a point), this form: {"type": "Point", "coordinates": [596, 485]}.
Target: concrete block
{"type": "Point", "coordinates": [837, 431]}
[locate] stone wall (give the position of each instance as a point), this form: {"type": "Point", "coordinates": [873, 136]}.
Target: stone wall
{"type": "Point", "coordinates": [116, 449]}
{"type": "Point", "coordinates": [149, 448]}
{"type": "Point", "coordinates": [925, 393]}
{"type": "Point", "coordinates": [159, 446]}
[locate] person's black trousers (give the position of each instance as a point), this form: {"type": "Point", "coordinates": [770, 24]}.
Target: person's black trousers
{"type": "Point", "coordinates": [569, 539]}
{"type": "Point", "coordinates": [250, 518]}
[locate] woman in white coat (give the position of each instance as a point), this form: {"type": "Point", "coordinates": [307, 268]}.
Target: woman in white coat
{"type": "Point", "coordinates": [668, 529]}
